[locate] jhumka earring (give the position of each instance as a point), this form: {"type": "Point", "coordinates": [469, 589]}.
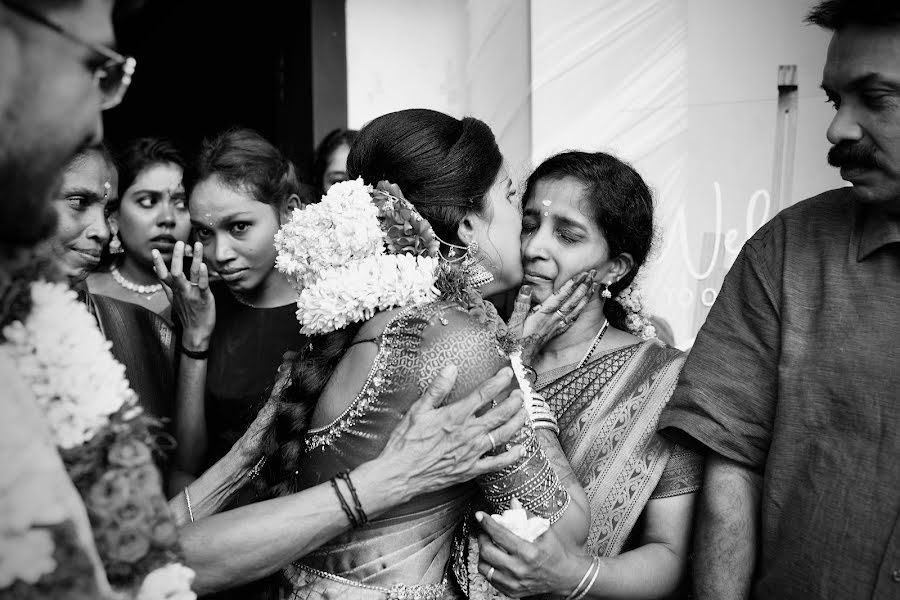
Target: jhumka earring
{"type": "Point", "coordinates": [476, 273]}
{"type": "Point", "coordinates": [115, 245]}
{"type": "Point", "coordinates": [606, 293]}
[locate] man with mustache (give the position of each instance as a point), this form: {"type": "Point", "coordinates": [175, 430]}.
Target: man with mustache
{"type": "Point", "coordinates": [793, 386]}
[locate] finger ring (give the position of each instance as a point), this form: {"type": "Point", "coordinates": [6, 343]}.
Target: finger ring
{"type": "Point", "coordinates": [563, 317]}
{"type": "Point", "coordinates": [493, 443]}
{"type": "Point", "coordinates": [193, 284]}
{"type": "Point", "coordinates": [490, 574]}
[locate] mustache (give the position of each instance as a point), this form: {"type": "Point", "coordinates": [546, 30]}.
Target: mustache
{"type": "Point", "coordinates": [853, 154]}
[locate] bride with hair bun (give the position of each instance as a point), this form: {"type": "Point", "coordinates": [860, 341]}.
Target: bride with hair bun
{"type": "Point", "coordinates": [391, 281]}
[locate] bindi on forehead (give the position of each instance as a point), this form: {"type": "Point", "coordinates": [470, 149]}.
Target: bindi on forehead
{"type": "Point", "coordinates": [547, 204]}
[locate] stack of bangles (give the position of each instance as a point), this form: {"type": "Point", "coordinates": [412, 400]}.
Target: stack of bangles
{"type": "Point", "coordinates": [587, 582]}
{"type": "Point", "coordinates": [542, 416]}
{"type": "Point", "coordinates": [357, 518]}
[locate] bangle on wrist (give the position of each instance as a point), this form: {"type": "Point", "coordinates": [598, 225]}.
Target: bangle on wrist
{"type": "Point", "coordinates": [187, 500]}
{"type": "Point", "coordinates": [358, 518]}
{"type": "Point", "coordinates": [587, 582]}
{"type": "Point", "coordinates": [361, 516]}
{"type": "Point", "coordinates": [195, 354]}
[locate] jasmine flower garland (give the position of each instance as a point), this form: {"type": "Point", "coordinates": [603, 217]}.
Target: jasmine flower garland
{"type": "Point", "coordinates": [105, 443]}
{"type": "Point", "coordinates": [358, 251]}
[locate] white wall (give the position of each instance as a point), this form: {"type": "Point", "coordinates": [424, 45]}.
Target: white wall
{"type": "Point", "coordinates": [461, 57]}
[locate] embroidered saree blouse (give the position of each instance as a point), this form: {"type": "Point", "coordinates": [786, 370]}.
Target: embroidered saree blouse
{"type": "Point", "coordinates": [411, 544]}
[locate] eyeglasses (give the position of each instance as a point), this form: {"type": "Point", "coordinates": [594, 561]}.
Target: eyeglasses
{"type": "Point", "coordinates": [112, 77]}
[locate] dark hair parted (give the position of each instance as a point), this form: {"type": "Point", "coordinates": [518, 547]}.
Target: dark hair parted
{"type": "Point", "coordinates": [445, 166]}
{"type": "Point", "coordinates": [244, 160]}
{"type": "Point", "coordinates": [835, 15]}
{"type": "Point", "coordinates": [142, 153]}
{"type": "Point", "coordinates": [619, 202]}
{"type": "Point", "coordinates": [331, 142]}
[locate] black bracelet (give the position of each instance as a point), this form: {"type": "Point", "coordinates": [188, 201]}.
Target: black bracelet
{"type": "Point", "coordinates": [363, 518]}
{"type": "Point", "coordinates": [195, 354]}
{"type": "Point", "coordinates": [344, 504]}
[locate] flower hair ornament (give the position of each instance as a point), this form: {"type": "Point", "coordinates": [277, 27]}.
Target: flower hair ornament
{"type": "Point", "coordinates": [360, 250]}
{"type": "Point", "coordinates": [638, 317]}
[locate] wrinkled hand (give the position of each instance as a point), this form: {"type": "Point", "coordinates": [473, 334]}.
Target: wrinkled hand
{"type": "Point", "coordinates": [521, 568]}
{"type": "Point", "coordinates": [437, 446]}
{"type": "Point", "coordinates": [536, 326]}
{"type": "Point", "coordinates": [191, 299]}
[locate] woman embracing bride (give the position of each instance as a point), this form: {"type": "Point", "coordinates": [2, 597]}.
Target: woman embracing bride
{"type": "Point", "coordinates": [390, 290]}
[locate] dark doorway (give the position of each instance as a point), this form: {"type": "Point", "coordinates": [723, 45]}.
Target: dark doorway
{"type": "Point", "coordinates": [207, 65]}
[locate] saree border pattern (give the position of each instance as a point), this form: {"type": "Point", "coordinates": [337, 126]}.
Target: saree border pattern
{"type": "Point", "coordinates": [608, 412]}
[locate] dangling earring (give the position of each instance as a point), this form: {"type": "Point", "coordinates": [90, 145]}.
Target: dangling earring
{"type": "Point", "coordinates": [115, 245]}
{"type": "Point", "coordinates": [606, 293]}
{"type": "Point", "coordinates": [476, 274]}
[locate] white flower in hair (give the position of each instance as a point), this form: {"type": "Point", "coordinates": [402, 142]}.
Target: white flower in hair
{"type": "Point", "coordinates": [342, 227]}
{"type": "Point", "coordinates": [638, 317]}
{"type": "Point", "coordinates": [355, 292]}
{"type": "Point", "coordinates": [336, 254]}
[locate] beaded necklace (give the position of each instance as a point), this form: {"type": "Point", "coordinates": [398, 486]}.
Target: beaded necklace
{"type": "Point", "coordinates": [144, 290]}
{"type": "Point", "coordinates": [594, 343]}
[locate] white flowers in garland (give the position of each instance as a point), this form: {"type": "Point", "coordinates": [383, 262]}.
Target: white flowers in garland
{"type": "Point", "coordinates": [355, 292]}
{"type": "Point", "coordinates": [329, 234]}
{"type": "Point", "coordinates": [335, 254]}
{"type": "Point", "coordinates": [61, 354]}
{"type": "Point", "coordinates": [66, 360]}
